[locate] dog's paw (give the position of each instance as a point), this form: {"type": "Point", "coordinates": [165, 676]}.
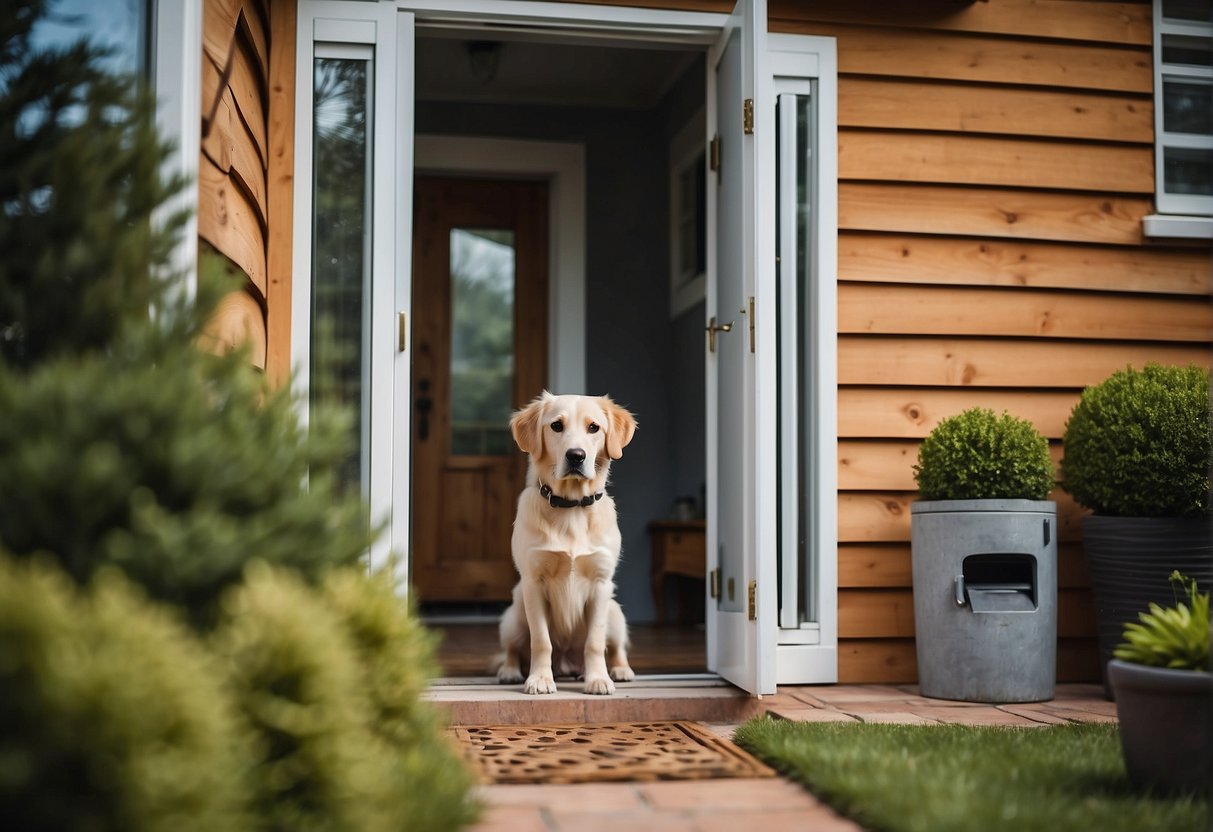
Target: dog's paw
{"type": "Point", "coordinates": [509, 675]}
{"type": "Point", "coordinates": [623, 673]}
{"type": "Point", "coordinates": [599, 685]}
{"type": "Point", "coordinates": [540, 683]}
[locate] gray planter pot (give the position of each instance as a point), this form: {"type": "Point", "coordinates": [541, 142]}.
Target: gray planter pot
{"type": "Point", "coordinates": [1130, 560]}
{"type": "Point", "coordinates": [985, 599]}
{"type": "Point", "coordinates": [1166, 718]}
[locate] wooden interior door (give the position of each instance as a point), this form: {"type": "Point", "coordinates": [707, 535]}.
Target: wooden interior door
{"type": "Point", "coordinates": [480, 298]}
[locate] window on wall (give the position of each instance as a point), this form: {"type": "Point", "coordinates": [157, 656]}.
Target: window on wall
{"type": "Point", "coordinates": [121, 27]}
{"type": "Point", "coordinates": [1183, 106]}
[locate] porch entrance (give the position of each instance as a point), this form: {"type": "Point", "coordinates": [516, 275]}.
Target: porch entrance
{"type": "Point", "coordinates": [480, 277]}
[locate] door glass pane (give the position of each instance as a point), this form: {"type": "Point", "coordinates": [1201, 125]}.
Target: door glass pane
{"type": "Point", "coordinates": [122, 27]}
{"type": "Point", "coordinates": [1187, 49]}
{"type": "Point", "coordinates": [1188, 170]}
{"type": "Point", "coordinates": [1193, 10]}
{"type": "Point", "coordinates": [341, 250]}
{"type": "Point", "coordinates": [1186, 106]}
{"type": "Point", "coordinates": [482, 341]}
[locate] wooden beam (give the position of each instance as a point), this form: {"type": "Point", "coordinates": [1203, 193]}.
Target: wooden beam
{"type": "Point", "coordinates": [982, 108]}
{"type": "Point", "coordinates": [992, 212]}
{"type": "Point", "coordinates": [915, 53]}
{"type": "Point", "coordinates": [228, 220]}
{"type": "Point", "coordinates": [237, 322]}
{"type": "Point", "coordinates": [1103, 22]}
{"type": "Point", "coordinates": [900, 156]}
{"type": "Point", "coordinates": [905, 258]}
{"type": "Point", "coordinates": [979, 362]}
{"type": "Point", "coordinates": [892, 309]}
{"type": "Point", "coordinates": [911, 413]}
{"type": "Point", "coordinates": [281, 188]}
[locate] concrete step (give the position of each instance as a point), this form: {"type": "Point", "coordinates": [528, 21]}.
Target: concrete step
{"type": "Point", "coordinates": [699, 697]}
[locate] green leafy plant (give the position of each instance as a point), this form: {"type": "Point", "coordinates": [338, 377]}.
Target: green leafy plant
{"type": "Point", "coordinates": [1137, 444]}
{"type": "Point", "coordinates": [977, 455]}
{"type": "Point", "coordinates": [1173, 637]}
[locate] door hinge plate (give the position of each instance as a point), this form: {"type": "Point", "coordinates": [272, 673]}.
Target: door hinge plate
{"type": "Point", "coordinates": [750, 316]}
{"type": "Point", "coordinates": [402, 331]}
{"type": "Point", "coordinates": [714, 154]}
{"type": "Point", "coordinates": [715, 583]}
{"type": "Point", "coordinates": [747, 116]}
{"type": "Point", "coordinates": [752, 600]}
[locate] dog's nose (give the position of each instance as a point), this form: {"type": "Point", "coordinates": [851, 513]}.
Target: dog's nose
{"type": "Point", "coordinates": [575, 456]}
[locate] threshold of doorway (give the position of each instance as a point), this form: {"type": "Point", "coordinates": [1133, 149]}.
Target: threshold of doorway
{"type": "Point", "coordinates": [702, 697]}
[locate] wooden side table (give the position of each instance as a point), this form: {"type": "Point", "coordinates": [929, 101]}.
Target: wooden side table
{"type": "Point", "coordinates": [679, 548]}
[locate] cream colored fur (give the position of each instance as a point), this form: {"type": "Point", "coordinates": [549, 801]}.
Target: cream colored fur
{"type": "Point", "coordinates": [564, 619]}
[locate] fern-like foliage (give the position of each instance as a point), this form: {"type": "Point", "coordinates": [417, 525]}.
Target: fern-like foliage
{"type": "Point", "coordinates": [1172, 637]}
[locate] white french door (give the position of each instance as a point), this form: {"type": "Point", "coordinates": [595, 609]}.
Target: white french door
{"type": "Point", "coordinates": [772, 551]}
{"type": "Point", "coordinates": [771, 446]}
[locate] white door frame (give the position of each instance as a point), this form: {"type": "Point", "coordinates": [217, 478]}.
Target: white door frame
{"type": "Point", "coordinates": [389, 26]}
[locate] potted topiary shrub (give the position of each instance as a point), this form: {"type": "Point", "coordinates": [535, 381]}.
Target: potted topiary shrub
{"type": "Point", "coordinates": [1137, 455]}
{"type": "Point", "coordinates": [1164, 694]}
{"type": "Point", "coordinates": [984, 557]}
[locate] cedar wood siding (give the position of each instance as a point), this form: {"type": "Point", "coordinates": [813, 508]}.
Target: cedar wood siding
{"type": "Point", "coordinates": [995, 162]}
{"type": "Point", "coordinates": [233, 192]}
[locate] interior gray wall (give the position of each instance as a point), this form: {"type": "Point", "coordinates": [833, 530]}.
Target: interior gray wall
{"type": "Point", "coordinates": [635, 353]}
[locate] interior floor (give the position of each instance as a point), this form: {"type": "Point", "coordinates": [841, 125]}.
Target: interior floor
{"type": "Point", "coordinates": [469, 649]}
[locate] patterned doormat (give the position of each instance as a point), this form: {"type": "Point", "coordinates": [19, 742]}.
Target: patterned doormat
{"type": "Point", "coordinates": [617, 751]}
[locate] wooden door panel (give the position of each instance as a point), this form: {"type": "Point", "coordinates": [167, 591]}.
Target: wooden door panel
{"type": "Point", "coordinates": [465, 488]}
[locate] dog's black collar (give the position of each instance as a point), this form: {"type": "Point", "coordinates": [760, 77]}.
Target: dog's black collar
{"type": "Point", "coordinates": [560, 502]}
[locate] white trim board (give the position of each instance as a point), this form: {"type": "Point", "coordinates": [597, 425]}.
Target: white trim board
{"type": "Point", "coordinates": [562, 165]}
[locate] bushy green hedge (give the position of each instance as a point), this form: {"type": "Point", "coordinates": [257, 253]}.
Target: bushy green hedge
{"type": "Point", "coordinates": [977, 455]}
{"type": "Point", "coordinates": [1137, 444]}
{"type": "Point", "coordinates": [112, 715]}
{"type": "Point", "coordinates": [256, 678]}
{"type": "Point", "coordinates": [396, 654]}
{"type": "Point", "coordinates": [171, 464]}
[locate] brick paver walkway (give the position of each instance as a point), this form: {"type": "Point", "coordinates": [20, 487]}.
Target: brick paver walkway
{"type": "Point", "coordinates": [771, 805]}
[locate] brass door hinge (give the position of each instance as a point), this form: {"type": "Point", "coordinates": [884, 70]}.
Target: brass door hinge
{"type": "Point", "coordinates": [402, 331]}
{"type": "Point", "coordinates": [714, 154]}
{"type": "Point", "coordinates": [752, 600]}
{"type": "Point", "coordinates": [715, 583]}
{"type": "Point", "coordinates": [748, 311]}
{"type": "Point", "coordinates": [747, 116]}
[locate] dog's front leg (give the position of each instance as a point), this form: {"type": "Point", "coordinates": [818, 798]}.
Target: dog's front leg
{"type": "Point", "coordinates": [596, 678]}
{"type": "Point", "coordinates": [541, 679]}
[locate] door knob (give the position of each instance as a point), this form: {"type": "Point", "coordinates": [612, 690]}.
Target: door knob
{"type": "Point", "coordinates": [712, 328]}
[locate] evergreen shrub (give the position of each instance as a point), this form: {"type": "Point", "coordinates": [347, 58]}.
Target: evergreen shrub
{"type": "Point", "coordinates": [112, 715]}
{"type": "Point", "coordinates": [976, 455]}
{"type": "Point", "coordinates": [1137, 444]}
{"type": "Point", "coordinates": [396, 655]}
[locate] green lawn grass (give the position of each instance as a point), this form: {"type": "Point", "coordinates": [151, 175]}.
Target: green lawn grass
{"type": "Point", "coordinates": [905, 778]}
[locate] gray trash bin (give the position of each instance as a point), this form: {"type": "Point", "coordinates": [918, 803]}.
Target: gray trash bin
{"type": "Point", "coordinates": [985, 599]}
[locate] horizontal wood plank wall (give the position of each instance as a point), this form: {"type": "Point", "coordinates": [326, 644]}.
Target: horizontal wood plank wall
{"type": "Point", "coordinates": [233, 186]}
{"type": "Point", "coordinates": [995, 162]}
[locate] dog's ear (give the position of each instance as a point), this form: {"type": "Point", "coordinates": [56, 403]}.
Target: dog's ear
{"type": "Point", "coordinates": [620, 428]}
{"type": "Point", "coordinates": [526, 427]}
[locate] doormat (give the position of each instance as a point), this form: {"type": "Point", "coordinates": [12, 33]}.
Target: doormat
{"type": "Point", "coordinates": [598, 753]}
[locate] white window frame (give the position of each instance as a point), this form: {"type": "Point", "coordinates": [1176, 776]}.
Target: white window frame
{"type": "Point", "coordinates": [176, 62]}
{"type": "Point", "coordinates": [1179, 215]}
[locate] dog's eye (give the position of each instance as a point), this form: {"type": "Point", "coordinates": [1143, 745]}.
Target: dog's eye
{"type": "Point", "coordinates": [558, 426]}
{"type": "Point", "coordinates": [593, 428]}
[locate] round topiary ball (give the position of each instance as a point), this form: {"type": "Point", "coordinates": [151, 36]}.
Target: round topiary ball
{"type": "Point", "coordinates": [977, 455]}
{"type": "Point", "coordinates": [1137, 444]}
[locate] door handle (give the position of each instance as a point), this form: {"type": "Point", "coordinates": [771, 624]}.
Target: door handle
{"type": "Point", "coordinates": [712, 329]}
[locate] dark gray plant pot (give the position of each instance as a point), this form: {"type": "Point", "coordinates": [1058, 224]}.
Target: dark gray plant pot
{"type": "Point", "coordinates": [1166, 725]}
{"type": "Point", "coordinates": [985, 599]}
{"type": "Point", "coordinates": [1130, 560]}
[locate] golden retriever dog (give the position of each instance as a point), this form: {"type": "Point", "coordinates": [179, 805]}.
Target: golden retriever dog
{"type": "Point", "coordinates": [566, 545]}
